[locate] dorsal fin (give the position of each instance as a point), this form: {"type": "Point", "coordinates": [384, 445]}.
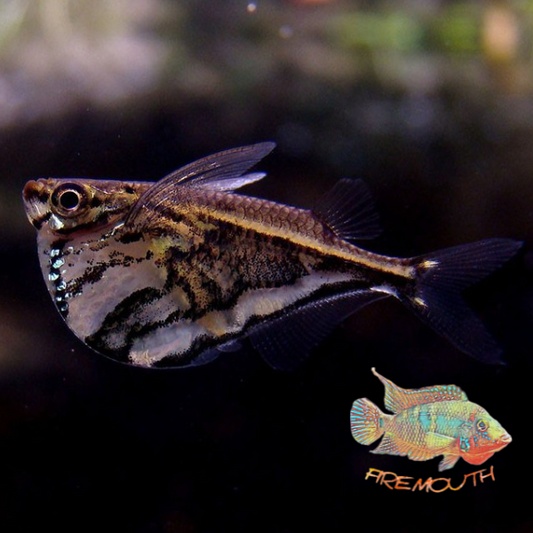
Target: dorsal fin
{"type": "Point", "coordinates": [398, 399]}
{"type": "Point", "coordinates": [348, 210]}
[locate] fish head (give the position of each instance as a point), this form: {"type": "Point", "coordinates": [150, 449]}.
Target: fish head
{"type": "Point", "coordinates": [87, 267]}
{"type": "Point", "coordinates": [487, 436]}
{"type": "Point", "coordinates": [64, 206]}
{"type": "Point", "coordinates": [489, 433]}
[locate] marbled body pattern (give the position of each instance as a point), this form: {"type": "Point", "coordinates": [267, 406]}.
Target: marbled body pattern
{"type": "Point", "coordinates": [427, 423]}
{"type": "Point", "coordinates": [174, 272]}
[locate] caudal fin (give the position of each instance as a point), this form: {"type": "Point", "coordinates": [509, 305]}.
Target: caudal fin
{"type": "Point", "coordinates": [442, 277]}
{"type": "Point", "coordinates": [367, 421]}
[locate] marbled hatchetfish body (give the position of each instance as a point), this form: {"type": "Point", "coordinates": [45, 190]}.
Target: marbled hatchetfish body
{"type": "Point", "coordinates": [427, 423]}
{"type": "Point", "coordinates": [173, 272]}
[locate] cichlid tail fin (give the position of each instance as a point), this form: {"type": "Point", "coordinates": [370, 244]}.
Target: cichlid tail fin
{"type": "Point", "coordinates": [442, 276]}
{"type": "Point", "coordinates": [367, 421]}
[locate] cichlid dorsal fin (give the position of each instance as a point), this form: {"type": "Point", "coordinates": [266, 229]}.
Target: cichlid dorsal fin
{"type": "Point", "coordinates": [285, 341]}
{"type": "Point", "coordinates": [348, 210]}
{"type": "Point", "coordinates": [398, 399]}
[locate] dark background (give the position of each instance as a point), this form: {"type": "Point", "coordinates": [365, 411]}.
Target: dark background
{"type": "Point", "coordinates": [429, 101]}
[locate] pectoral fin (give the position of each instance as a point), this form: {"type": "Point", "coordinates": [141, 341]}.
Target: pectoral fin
{"type": "Point", "coordinates": [223, 171]}
{"type": "Point", "coordinates": [448, 462]}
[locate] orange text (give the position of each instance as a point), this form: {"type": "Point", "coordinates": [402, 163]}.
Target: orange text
{"type": "Point", "coordinates": [394, 482]}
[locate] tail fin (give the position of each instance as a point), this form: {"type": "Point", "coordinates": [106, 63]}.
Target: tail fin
{"type": "Point", "coordinates": [442, 276]}
{"type": "Point", "coordinates": [367, 421]}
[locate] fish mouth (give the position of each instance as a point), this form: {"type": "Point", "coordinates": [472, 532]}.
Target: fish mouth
{"type": "Point", "coordinates": [502, 442]}
{"type": "Point", "coordinates": [35, 195]}
{"type": "Point", "coordinates": [34, 190]}
{"type": "Point", "coordinates": [506, 439]}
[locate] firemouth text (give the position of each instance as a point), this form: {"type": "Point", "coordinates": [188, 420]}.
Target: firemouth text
{"type": "Point", "coordinates": [394, 482]}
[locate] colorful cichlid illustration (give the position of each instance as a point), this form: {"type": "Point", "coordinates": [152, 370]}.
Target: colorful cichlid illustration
{"type": "Point", "coordinates": [428, 422]}
{"type": "Point", "coordinates": [173, 273]}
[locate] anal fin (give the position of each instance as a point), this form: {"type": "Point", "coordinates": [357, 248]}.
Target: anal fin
{"type": "Point", "coordinates": [285, 341]}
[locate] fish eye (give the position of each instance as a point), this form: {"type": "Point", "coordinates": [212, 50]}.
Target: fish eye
{"type": "Point", "coordinates": [481, 425]}
{"type": "Point", "coordinates": [69, 198]}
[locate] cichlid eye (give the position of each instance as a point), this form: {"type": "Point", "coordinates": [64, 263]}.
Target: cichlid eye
{"type": "Point", "coordinates": [481, 425]}
{"type": "Point", "coordinates": [69, 199]}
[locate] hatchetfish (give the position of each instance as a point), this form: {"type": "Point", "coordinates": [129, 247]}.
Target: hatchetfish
{"type": "Point", "coordinates": [428, 422]}
{"type": "Point", "coordinates": [173, 272]}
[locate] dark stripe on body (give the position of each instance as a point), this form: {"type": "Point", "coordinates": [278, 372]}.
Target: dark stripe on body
{"type": "Point", "coordinates": [38, 222]}
{"type": "Point", "coordinates": [116, 319]}
{"type": "Point", "coordinates": [94, 273]}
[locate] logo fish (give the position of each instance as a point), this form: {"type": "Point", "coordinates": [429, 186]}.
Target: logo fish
{"type": "Point", "coordinates": [174, 272]}
{"type": "Point", "coordinates": [428, 422]}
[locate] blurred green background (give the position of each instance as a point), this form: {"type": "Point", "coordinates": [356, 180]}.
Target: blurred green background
{"type": "Point", "coordinates": [430, 101]}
